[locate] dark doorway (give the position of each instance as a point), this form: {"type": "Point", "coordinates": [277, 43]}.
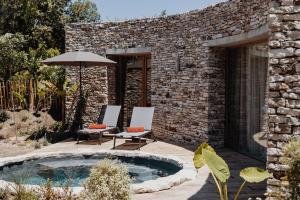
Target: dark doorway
{"type": "Point", "coordinates": [245, 100]}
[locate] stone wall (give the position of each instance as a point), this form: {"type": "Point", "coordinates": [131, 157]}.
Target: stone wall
{"type": "Point", "coordinates": [284, 86]}
{"type": "Point", "coordinates": [94, 84]}
{"type": "Point", "coordinates": [187, 76]}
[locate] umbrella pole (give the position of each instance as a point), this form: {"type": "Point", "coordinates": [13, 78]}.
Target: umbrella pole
{"type": "Point", "coordinates": [80, 97]}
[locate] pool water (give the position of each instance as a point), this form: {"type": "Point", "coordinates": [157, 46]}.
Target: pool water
{"type": "Point", "coordinates": [74, 170]}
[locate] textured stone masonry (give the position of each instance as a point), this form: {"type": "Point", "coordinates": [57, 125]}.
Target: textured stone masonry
{"type": "Point", "coordinates": [284, 82]}
{"type": "Point", "coordinates": [190, 102]}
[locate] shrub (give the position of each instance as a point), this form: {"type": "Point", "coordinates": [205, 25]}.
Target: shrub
{"type": "Point", "coordinates": [39, 133]}
{"type": "Point", "coordinates": [36, 145]}
{"type": "Point", "coordinates": [109, 180]}
{"type": "Point", "coordinates": [206, 155]}
{"type": "Point", "coordinates": [22, 193]}
{"type": "Point", "coordinates": [47, 192]}
{"type": "Point", "coordinates": [43, 142]}
{"type": "Point", "coordinates": [24, 133]}
{"type": "Point", "coordinates": [3, 116]}
{"type": "Point", "coordinates": [57, 126]}
{"type": "Point", "coordinates": [24, 118]}
{"type": "Point", "coordinates": [291, 157]}
{"type": "Point", "coordinates": [3, 194]}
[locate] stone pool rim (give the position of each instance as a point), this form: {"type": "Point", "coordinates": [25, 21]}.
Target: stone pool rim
{"type": "Point", "coordinates": [187, 173]}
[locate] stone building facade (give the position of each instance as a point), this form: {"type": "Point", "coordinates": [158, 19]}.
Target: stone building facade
{"type": "Point", "coordinates": [284, 85]}
{"type": "Point", "coordinates": [187, 80]}
{"type": "Point", "coordinates": [190, 102]}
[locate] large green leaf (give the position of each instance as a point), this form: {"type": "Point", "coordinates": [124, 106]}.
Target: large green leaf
{"type": "Point", "coordinates": [216, 165]}
{"type": "Point", "coordinates": [198, 159]}
{"type": "Point", "coordinates": [254, 174]}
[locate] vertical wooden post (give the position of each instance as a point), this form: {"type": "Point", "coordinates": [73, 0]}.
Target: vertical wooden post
{"type": "Point", "coordinates": [1, 96]}
{"type": "Point", "coordinates": [30, 95]}
{"type": "Point", "coordinates": [4, 97]}
{"type": "Point", "coordinates": [144, 82]}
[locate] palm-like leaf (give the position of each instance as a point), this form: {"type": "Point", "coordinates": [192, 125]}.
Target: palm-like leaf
{"type": "Point", "coordinates": [254, 174]}
{"type": "Point", "coordinates": [198, 159]}
{"type": "Point", "coordinates": [216, 165]}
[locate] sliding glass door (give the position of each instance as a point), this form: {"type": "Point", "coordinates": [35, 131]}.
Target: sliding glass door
{"type": "Point", "coordinates": [245, 99]}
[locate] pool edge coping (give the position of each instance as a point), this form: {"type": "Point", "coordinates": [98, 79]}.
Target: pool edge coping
{"type": "Point", "coordinates": [187, 173]}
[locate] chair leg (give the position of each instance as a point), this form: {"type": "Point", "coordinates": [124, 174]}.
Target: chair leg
{"type": "Point", "coordinates": [115, 138]}
{"type": "Point", "coordinates": [139, 144]}
{"type": "Point", "coordinates": [100, 138]}
{"type": "Point", "coordinates": [153, 137]}
{"type": "Point", "coordinates": [78, 135]}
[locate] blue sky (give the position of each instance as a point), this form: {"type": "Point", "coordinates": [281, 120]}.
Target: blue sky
{"type": "Point", "coordinates": [116, 10]}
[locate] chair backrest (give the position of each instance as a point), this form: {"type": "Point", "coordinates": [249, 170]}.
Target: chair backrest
{"type": "Point", "coordinates": [111, 115]}
{"type": "Point", "coordinates": [142, 117]}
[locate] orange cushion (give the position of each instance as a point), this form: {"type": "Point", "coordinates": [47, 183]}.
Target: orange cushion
{"type": "Point", "coordinates": [135, 129]}
{"type": "Point", "coordinates": [97, 126]}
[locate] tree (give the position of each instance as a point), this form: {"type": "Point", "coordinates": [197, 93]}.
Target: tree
{"type": "Point", "coordinates": [82, 11]}
{"type": "Point", "coordinates": [39, 21]}
{"type": "Point", "coordinates": [43, 21]}
{"type": "Point", "coordinates": [36, 69]}
{"type": "Point", "coordinates": [12, 55]}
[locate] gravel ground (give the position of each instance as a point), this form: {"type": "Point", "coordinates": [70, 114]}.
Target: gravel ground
{"type": "Point", "coordinates": [8, 149]}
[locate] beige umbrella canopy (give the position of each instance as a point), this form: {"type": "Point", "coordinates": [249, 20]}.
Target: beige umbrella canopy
{"type": "Point", "coordinates": [78, 58]}
{"type": "Point", "coordinates": [81, 59]}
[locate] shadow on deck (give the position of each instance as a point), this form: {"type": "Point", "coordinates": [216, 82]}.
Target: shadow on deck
{"type": "Point", "coordinates": [236, 162]}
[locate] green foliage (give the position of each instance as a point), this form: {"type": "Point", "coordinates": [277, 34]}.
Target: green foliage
{"type": "Point", "coordinates": [82, 11]}
{"type": "Point", "coordinates": [57, 126]}
{"type": "Point", "coordinates": [21, 98]}
{"type": "Point", "coordinates": [254, 174]}
{"type": "Point", "coordinates": [44, 192]}
{"type": "Point", "coordinates": [109, 180]}
{"type": "Point", "coordinates": [47, 192]}
{"type": "Point", "coordinates": [217, 165]}
{"type": "Point", "coordinates": [33, 30]}
{"type": "Point", "coordinates": [20, 192]}
{"type": "Point", "coordinates": [198, 159]}
{"type": "Point", "coordinates": [36, 145]}
{"type": "Point", "coordinates": [3, 116]}
{"type": "Point", "coordinates": [206, 155]}
{"type": "Point", "coordinates": [12, 55]}
{"type": "Point", "coordinates": [291, 157]}
{"type": "Point", "coordinates": [38, 20]}
{"type": "Point", "coordinates": [36, 69]}
{"type": "Point", "coordinates": [79, 111]}
{"type": "Point", "coordinates": [43, 21]}
{"type": "Point", "coordinates": [39, 133]}
{"type": "Point", "coordinates": [291, 152]}
{"type": "Point", "coordinates": [4, 193]}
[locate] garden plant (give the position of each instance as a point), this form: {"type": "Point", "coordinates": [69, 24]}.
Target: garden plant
{"type": "Point", "coordinates": [206, 155]}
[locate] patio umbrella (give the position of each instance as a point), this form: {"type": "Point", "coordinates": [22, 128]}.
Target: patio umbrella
{"type": "Point", "coordinates": [81, 59]}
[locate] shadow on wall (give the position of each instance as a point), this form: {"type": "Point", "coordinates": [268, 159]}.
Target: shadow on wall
{"type": "Point", "coordinates": [215, 75]}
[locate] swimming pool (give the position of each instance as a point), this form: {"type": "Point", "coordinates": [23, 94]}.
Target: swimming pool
{"type": "Point", "coordinates": [150, 172]}
{"type": "Point", "coordinates": [73, 170]}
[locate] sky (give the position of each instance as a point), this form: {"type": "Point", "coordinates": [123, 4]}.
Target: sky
{"type": "Point", "coordinates": [120, 10]}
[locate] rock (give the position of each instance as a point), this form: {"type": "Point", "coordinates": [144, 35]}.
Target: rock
{"type": "Point", "coordinates": [281, 53]}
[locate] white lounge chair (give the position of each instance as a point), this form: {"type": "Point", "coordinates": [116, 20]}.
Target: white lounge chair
{"type": "Point", "coordinates": [141, 117]}
{"type": "Point", "coordinates": [110, 120]}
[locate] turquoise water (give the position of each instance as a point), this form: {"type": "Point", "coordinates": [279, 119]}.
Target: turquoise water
{"type": "Point", "coordinates": [74, 170]}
